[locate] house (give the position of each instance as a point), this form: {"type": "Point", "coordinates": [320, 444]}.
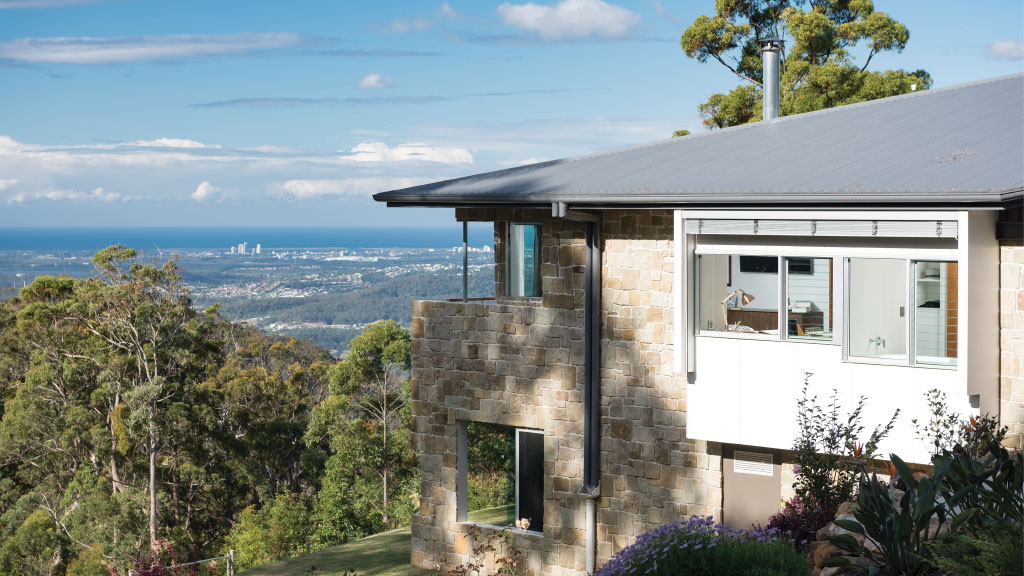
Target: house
{"type": "Point", "coordinates": [657, 310]}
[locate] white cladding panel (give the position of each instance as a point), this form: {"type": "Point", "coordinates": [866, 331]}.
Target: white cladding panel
{"type": "Point", "coordinates": [745, 392]}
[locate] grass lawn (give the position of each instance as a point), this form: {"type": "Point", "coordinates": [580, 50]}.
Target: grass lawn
{"type": "Point", "coordinates": [384, 554]}
{"type": "Point", "coordinates": [499, 516]}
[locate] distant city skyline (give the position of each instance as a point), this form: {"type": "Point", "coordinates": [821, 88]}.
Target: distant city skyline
{"type": "Point", "coordinates": [139, 113]}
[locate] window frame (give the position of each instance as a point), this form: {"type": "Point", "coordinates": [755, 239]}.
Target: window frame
{"type": "Point", "coordinates": [538, 252]}
{"type": "Point", "coordinates": [909, 318]}
{"type": "Point", "coordinates": [782, 306]}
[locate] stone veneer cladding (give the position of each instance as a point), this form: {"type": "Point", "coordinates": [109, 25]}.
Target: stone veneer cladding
{"type": "Point", "coordinates": [519, 362]}
{"type": "Point", "coordinates": [1011, 340]}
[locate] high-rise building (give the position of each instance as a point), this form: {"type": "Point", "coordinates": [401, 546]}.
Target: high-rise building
{"type": "Point", "coordinates": [242, 248]}
{"type": "Point", "coordinates": [258, 249]}
{"type": "Point", "coordinates": [233, 249]}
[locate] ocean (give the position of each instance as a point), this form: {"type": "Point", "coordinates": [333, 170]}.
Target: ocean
{"type": "Point", "coordinates": [270, 238]}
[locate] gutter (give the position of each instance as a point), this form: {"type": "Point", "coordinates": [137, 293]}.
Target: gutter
{"type": "Point", "coordinates": [591, 489]}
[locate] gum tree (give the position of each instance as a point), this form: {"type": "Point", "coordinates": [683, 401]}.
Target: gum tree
{"type": "Point", "coordinates": [819, 66]}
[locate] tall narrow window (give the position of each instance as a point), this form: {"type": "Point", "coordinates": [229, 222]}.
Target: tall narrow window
{"type": "Point", "coordinates": [878, 308]}
{"type": "Point", "coordinates": [739, 294]}
{"type": "Point", "coordinates": [530, 478]}
{"type": "Point", "coordinates": [809, 293]}
{"type": "Point", "coordinates": [935, 312]}
{"type": "Point", "coordinates": [523, 260]}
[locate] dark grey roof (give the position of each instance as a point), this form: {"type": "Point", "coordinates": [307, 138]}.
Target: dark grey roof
{"type": "Point", "coordinates": [961, 145]}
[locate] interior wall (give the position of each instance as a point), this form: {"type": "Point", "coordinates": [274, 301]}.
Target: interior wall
{"type": "Point", "coordinates": [878, 292]}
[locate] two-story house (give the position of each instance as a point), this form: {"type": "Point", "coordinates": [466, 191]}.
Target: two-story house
{"type": "Point", "coordinates": [657, 310]}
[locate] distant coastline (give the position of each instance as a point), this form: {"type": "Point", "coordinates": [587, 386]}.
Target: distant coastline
{"type": "Point", "coordinates": [149, 239]}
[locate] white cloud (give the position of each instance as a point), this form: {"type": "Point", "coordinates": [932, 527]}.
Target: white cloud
{"type": "Point", "coordinates": [19, 4]}
{"type": "Point", "coordinates": [570, 19]}
{"type": "Point", "coordinates": [522, 162]}
{"type": "Point", "coordinates": [403, 25]}
{"type": "Point", "coordinates": [306, 189]}
{"type": "Point", "coordinates": [448, 13]}
{"type": "Point", "coordinates": [374, 81]}
{"type": "Point", "coordinates": [96, 195]}
{"type": "Point", "coordinates": [664, 13]}
{"type": "Point", "coordinates": [1007, 50]}
{"type": "Point", "coordinates": [205, 191]}
{"type": "Point", "coordinates": [381, 152]}
{"type": "Point", "coordinates": [7, 183]}
{"type": "Point", "coordinates": [173, 143]}
{"type": "Point", "coordinates": [86, 50]}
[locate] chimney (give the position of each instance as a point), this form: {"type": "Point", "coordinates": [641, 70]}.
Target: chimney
{"type": "Point", "coordinates": [771, 51]}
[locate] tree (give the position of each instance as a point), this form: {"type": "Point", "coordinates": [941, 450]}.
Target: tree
{"type": "Point", "coordinates": [818, 68]}
{"type": "Point", "coordinates": [367, 419]}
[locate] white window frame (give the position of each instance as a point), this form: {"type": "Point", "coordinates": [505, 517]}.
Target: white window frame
{"type": "Point", "coordinates": [909, 318]}
{"type": "Point", "coordinates": [782, 306]}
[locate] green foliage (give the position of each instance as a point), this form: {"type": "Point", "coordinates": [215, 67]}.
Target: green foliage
{"type": "Point", "coordinates": [826, 441]}
{"type": "Point", "coordinates": [899, 528]}
{"type": "Point", "coordinates": [278, 530]}
{"type": "Point", "coordinates": [680, 133]}
{"type": "Point", "coordinates": [995, 550]}
{"type": "Point", "coordinates": [34, 548]}
{"type": "Point", "coordinates": [945, 430]}
{"type": "Point", "coordinates": [976, 486]}
{"type": "Point", "coordinates": [818, 68]}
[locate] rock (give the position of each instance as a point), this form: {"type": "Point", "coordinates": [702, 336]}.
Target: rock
{"type": "Point", "coordinates": [844, 570]}
{"type": "Point", "coordinates": [820, 551]}
{"type": "Point", "coordinates": [831, 529]}
{"type": "Point", "coordinates": [846, 508]}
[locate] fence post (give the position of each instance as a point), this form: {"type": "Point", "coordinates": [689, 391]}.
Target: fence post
{"type": "Point", "coordinates": [231, 562]}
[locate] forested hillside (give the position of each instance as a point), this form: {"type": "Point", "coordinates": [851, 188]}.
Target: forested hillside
{"type": "Point", "coordinates": [135, 427]}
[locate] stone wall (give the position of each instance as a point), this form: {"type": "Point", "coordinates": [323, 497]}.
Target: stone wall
{"type": "Point", "coordinates": [519, 362]}
{"type": "Point", "coordinates": [1011, 340]}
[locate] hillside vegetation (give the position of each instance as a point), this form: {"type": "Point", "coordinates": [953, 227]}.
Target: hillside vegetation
{"type": "Point", "coordinates": [136, 429]}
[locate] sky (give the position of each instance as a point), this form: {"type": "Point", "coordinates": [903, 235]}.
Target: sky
{"type": "Point", "coordinates": [292, 113]}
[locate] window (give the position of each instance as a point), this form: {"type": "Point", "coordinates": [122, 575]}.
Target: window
{"type": "Point", "coordinates": [809, 298]}
{"type": "Point", "coordinates": [504, 475]}
{"type": "Point", "coordinates": [880, 317]}
{"type": "Point", "coordinates": [739, 294]}
{"type": "Point", "coordinates": [523, 260]}
{"type": "Point", "coordinates": [877, 308]}
{"type": "Point", "coordinates": [935, 312]}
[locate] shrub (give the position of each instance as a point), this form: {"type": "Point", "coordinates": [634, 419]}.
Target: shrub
{"type": "Point", "coordinates": [489, 490]}
{"type": "Point", "coordinates": [995, 550]}
{"type": "Point", "coordinates": [825, 442]}
{"type": "Point", "coordinates": [281, 529]}
{"type": "Point", "coordinates": [801, 518]}
{"type": "Point", "coordinates": [700, 547]}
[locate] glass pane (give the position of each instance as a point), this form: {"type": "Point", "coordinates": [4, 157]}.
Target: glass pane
{"type": "Point", "coordinates": [809, 293]}
{"type": "Point", "coordinates": [878, 300]}
{"type": "Point", "coordinates": [531, 479]}
{"type": "Point", "coordinates": [739, 294]}
{"type": "Point", "coordinates": [523, 260]}
{"type": "Point", "coordinates": [491, 474]}
{"type": "Point", "coordinates": [935, 294]}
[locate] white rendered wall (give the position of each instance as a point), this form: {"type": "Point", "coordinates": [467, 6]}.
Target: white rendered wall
{"type": "Point", "coordinates": [745, 392]}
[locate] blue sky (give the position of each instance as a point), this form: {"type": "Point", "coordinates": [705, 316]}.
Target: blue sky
{"type": "Point", "coordinates": [291, 113]}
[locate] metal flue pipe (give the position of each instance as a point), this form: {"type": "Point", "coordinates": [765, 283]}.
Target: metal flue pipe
{"type": "Point", "coordinates": [771, 54]}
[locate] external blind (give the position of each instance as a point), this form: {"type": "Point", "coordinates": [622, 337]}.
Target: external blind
{"type": "Point", "coordinates": [859, 228]}
{"type": "Point", "coordinates": [530, 478]}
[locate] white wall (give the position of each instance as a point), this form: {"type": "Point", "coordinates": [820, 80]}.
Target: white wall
{"type": "Point", "coordinates": [745, 392]}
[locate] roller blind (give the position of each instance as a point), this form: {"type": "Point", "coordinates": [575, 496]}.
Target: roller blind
{"type": "Point", "coordinates": [858, 228]}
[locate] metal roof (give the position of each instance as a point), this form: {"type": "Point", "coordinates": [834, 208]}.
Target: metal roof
{"type": "Point", "coordinates": [961, 145]}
